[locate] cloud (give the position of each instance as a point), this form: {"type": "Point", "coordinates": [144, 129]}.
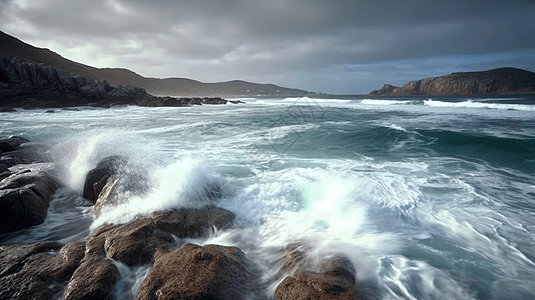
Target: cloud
{"type": "Point", "coordinates": [296, 43]}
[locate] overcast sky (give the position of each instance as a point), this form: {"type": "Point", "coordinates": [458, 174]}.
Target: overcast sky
{"type": "Point", "coordinates": [339, 47]}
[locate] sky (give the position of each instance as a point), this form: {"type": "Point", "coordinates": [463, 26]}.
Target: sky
{"type": "Point", "coordinates": [335, 47]}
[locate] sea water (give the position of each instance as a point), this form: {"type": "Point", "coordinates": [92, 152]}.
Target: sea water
{"type": "Point", "coordinates": [430, 197]}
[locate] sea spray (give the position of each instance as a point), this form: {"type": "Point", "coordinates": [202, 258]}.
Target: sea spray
{"type": "Point", "coordinates": [185, 183]}
{"type": "Point", "coordinates": [76, 155]}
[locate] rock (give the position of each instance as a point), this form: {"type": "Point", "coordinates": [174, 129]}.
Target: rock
{"type": "Point", "coordinates": [30, 85]}
{"type": "Point", "coordinates": [335, 279]}
{"type": "Point", "coordinates": [12, 143]}
{"type": "Point", "coordinates": [198, 272]}
{"type": "Point", "coordinates": [97, 178]}
{"type": "Point", "coordinates": [7, 109]}
{"type": "Point", "coordinates": [25, 196]}
{"type": "Point", "coordinates": [133, 243]}
{"type": "Point", "coordinates": [37, 270]}
{"type": "Point", "coordinates": [496, 81]}
{"type": "Point", "coordinates": [50, 111]}
{"type": "Point", "coordinates": [193, 222]}
{"type": "Point", "coordinates": [136, 242]}
{"type": "Point", "coordinates": [96, 276]}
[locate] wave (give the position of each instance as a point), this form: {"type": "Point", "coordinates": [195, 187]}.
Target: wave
{"type": "Point", "coordinates": [385, 102]}
{"type": "Point", "coordinates": [471, 104]}
{"type": "Point", "coordinates": [464, 104]}
{"type": "Point", "coordinates": [321, 100]}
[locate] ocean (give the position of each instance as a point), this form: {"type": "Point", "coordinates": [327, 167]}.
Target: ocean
{"type": "Point", "coordinates": [430, 197]}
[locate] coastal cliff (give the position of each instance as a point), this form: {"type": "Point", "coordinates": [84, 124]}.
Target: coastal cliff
{"type": "Point", "coordinates": [30, 85]}
{"type": "Point", "coordinates": [15, 48]}
{"type": "Point", "coordinates": [496, 81]}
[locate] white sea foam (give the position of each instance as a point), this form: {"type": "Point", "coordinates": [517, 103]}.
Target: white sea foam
{"type": "Point", "coordinates": [384, 102]}
{"type": "Point", "coordinates": [471, 104]}
{"type": "Point", "coordinates": [184, 183]}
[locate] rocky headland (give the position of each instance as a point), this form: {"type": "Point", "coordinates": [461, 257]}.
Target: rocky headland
{"type": "Point", "coordinates": [15, 48]}
{"type": "Point", "coordinates": [91, 267]}
{"type": "Point", "coordinates": [496, 81]}
{"type": "Point", "coordinates": [30, 85]}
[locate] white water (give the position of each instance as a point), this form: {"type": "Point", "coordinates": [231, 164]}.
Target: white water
{"type": "Point", "coordinates": [415, 226]}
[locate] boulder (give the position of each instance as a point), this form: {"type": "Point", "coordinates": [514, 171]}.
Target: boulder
{"type": "Point", "coordinates": [198, 272]}
{"type": "Point", "coordinates": [7, 109]}
{"type": "Point", "coordinates": [97, 178]}
{"type": "Point", "coordinates": [136, 242]}
{"type": "Point", "coordinates": [133, 243]}
{"type": "Point", "coordinates": [96, 275]}
{"type": "Point", "coordinates": [38, 270]}
{"type": "Point", "coordinates": [25, 196]}
{"type": "Point", "coordinates": [335, 279]}
{"type": "Point", "coordinates": [193, 222]}
{"type": "Point", "coordinates": [12, 143]}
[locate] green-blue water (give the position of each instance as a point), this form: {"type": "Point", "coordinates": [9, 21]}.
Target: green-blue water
{"type": "Point", "coordinates": [430, 198]}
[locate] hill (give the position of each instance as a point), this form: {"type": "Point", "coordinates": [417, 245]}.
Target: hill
{"type": "Point", "coordinates": [496, 81]}
{"type": "Point", "coordinates": [15, 48]}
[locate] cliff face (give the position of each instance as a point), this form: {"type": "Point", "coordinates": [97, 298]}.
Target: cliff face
{"type": "Point", "coordinates": [29, 85]}
{"type": "Point", "coordinates": [496, 81]}
{"type": "Point", "coordinates": [24, 84]}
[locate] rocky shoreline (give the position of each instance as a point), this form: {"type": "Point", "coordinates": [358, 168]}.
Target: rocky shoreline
{"type": "Point", "coordinates": [496, 81]}
{"type": "Point", "coordinates": [91, 267]}
{"type": "Point", "coordinates": [29, 85]}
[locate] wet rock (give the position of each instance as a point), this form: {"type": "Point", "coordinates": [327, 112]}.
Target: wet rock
{"type": "Point", "coordinates": [193, 222]}
{"type": "Point", "coordinates": [293, 258]}
{"type": "Point", "coordinates": [107, 196]}
{"type": "Point", "coordinates": [96, 276]}
{"type": "Point", "coordinates": [97, 178]}
{"type": "Point", "coordinates": [335, 279]}
{"type": "Point", "coordinates": [198, 272]}
{"type": "Point", "coordinates": [38, 270]}
{"type": "Point", "coordinates": [134, 243]}
{"type": "Point", "coordinates": [12, 143]}
{"type": "Point", "coordinates": [25, 196]}
{"type": "Point", "coordinates": [7, 109]}
{"type": "Point", "coordinates": [50, 111]}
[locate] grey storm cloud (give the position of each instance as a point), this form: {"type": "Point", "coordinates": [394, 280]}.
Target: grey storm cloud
{"type": "Point", "coordinates": [284, 42]}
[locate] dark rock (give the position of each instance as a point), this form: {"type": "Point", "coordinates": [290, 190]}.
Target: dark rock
{"type": "Point", "coordinates": [7, 109]}
{"type": "Point", "coordinates": [496, 81]}
{"type": "Point", "coordinates": [25, 196]}
{"type": "Point", "coordinates": [70, 109]}
{"type": "Point", "coordinates": [12, 143]}
{"type": "Point", "coordinates": [50, 111]}
{"type": "Point", "coordinates": [198, 272]}
{"type": "Point", "coordinates": [135, 242]}
{"type": "Point", "coordinates": [96, 276]}
{"type": "Point", "coordinates": [26, 154]}
{"type": "Point", "coordinates": [38, 270]}
{"type": "Point", "coordinates": [192, 222]}
{"type": "Point", "coordinates": [335, 279]}
{"type": "Point", "coordinates": [29, 85]}
{"type": "Point", "coordinates": [97, 178]}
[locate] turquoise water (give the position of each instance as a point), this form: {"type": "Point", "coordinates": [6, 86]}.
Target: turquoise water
{"type": "Point", "coordinates": [430, 198]}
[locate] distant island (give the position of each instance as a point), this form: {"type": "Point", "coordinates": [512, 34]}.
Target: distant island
{"type": "Point", "coordinates": [14, 48]}
{"type": "Point", "coordinates": [496, 81]}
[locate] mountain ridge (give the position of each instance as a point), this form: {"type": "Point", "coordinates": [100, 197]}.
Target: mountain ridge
{"type": "Point", "coordinates": [12, 47]}
{"type": "Point", "coordinates": [495, 81]}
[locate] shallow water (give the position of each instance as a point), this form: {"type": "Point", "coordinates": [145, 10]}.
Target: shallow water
{"type": "Point", "coordinates": [430, 198]}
